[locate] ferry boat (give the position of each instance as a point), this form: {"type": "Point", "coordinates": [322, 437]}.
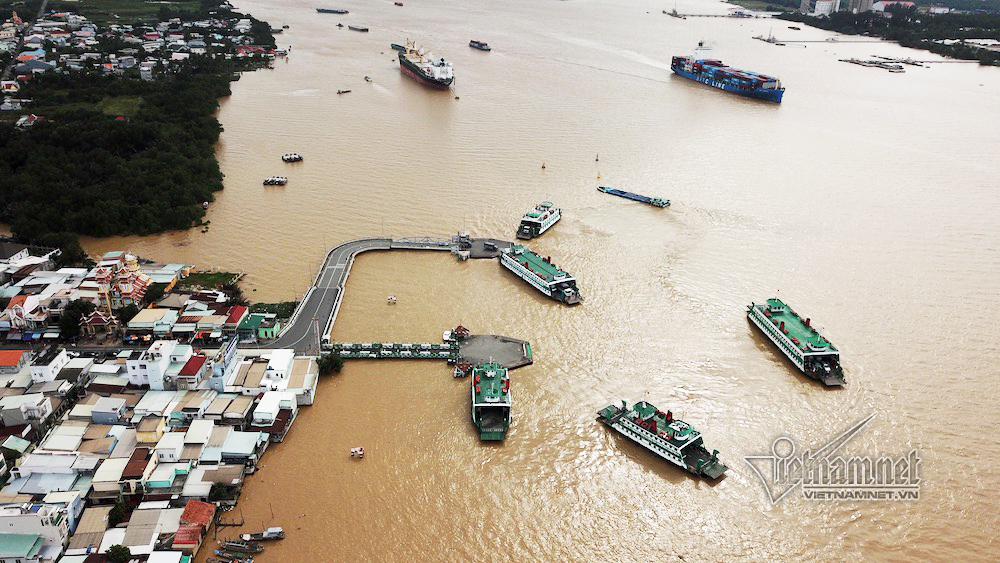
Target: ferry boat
{"type": "Point", "coordinates": [659, 432]}
{"type": "Point", "coordinates": [481, 45]}
{"type": "Point", "coordinates": [422, 66]}
{"type": "Point", "coordinates": [292, 157]}
{"type": "Point", "coordinates": [537, 221]}
{"type": "Point", "coordinates": [329, 11]}
{"type": "Point", "coordinates": [814, 355]}
{"type": "Point", "coordinates": [275, 181]}
{"type": "Point", "coordinates": [541, 273]}
{"type": "Point", "coordinates": [713, 73]}
{"type": "Point", "coordinates": [490, 391]}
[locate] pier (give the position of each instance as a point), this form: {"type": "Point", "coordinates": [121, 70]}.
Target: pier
{"type": "Point", "coordinates": [311, 323]}
{"type": "Point", "coordinates": [511, 353]}
{"type": "Point", "coordinates": [395, 351]}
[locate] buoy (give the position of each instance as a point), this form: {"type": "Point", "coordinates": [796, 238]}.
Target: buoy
{"type": "Point", "coordinates": [598, 174]}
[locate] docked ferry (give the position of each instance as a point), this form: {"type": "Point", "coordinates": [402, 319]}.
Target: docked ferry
{"type": "Point", "coordinates": [712, 72]}
{"type": "Point", "coordinates": [659, 432]}
{"type": "Point", "coordinates": [798, 340]}
{"type": "Point", "coordinates": [422, 66]}
{"type": "Point", "coordinates": [491, 402]}
{"type": "Point", "coordinates": [537, 221]}
{"type": "Point", "coordinates": [541, 273]}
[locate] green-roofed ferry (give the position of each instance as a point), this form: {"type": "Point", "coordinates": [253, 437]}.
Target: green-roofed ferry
{"type": "Point", "coordinates": [814, 355]}
{"type": "Point", "coordinates": [491, 403]}
{"type": "Point", "coordinates": [541, 273]}
{"type": "Point", "coordinates": [659, 432]}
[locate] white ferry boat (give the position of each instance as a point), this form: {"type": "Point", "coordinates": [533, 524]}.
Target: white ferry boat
{"type": "Point", "coordinates": [541, 273]}
{"type": "Point", "coordinates": [539, 220]}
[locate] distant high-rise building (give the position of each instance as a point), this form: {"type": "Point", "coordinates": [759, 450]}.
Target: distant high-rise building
{"type": "Point", "coordinates": [805, 7]}
{"type": "Point", "coordinates": [824, 7]}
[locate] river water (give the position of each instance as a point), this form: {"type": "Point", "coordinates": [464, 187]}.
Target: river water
{"type": "Point", "coordinates": [868, 200]}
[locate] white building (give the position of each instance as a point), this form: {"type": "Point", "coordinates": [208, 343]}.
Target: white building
{"type": "Point", "coordinates": [25, 409]}
{"type": "Point", "coordinates": [48, 365]}
{"type": "Point", "coordinates": [48, 521]}
{"type": "Point", "coordinates": [267, 409]}
{"type": "Point", "coordinates": [823, 8]}
{"type": "Point", "coordinates": [158, 366]}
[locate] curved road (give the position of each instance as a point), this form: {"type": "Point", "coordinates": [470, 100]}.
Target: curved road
{"type": "Point", "coordinates": [314, 316]}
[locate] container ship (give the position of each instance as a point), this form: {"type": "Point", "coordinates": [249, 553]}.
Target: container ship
{"type": "Point", "coordinates": [491, 402]}
{"type": "Point", "coordinates": [537, 221]}
{"type": "Point", "coordinates": [654, 201]}
{"type": "Point", "coordinates": [659, 432]}
{"type": "Point", "coordinates": [814, 355]}
{"type": "Point", "coordinates": [423, 67]}
{"type": "Point", "coordinates": [541, 273]}
{"type": "Point", "coordinates": [713, 73]}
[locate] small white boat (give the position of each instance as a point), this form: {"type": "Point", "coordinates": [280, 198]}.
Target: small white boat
{"type": "Point", "coordinates": [291, 157]}
{"type": "Point", "coordinates": [276, 181]}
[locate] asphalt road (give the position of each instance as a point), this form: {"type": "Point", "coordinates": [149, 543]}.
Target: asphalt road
{"type": "Point", "coordinates": [302, 333]}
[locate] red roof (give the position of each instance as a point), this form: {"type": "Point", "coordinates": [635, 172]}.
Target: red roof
{"type": "Point", "coordinates": [193, 365]}
{"type": "Point", "coordinates": [197, 513]}
{"type": "Point", "coordinates": [236, 314]}
{"type": "Point", "coordinates": [11, 358]}
{"type": "Point", "coordinates": [187, 535]}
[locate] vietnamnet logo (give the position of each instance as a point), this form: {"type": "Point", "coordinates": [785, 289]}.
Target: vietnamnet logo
{"type": "Point", "coordinates": [824, 475]}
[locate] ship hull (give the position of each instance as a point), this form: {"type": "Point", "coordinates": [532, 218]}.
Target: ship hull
{"type": "Point", "coordinates": [768, 330]}
{"type": "Point", "coordinates": [410, 70]}
{"type": "Point", "coordinates": [759, 94]}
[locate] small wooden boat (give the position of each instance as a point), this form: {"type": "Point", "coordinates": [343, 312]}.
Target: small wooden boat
{"type": "Point", "coordinates": [275, 533]}
{"type": "Point", "coordinates": [343, 91]}
{"type": "Point", "coordinates": [357, 28]}
{"type": "Point", "coordinates": [481, 45]}
{"type": "Point", "coordinates": [237, 546]}
{"type": "Point", "coordinates": [398, 3]}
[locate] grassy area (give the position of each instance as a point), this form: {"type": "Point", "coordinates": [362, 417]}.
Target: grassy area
{"type": "Point", "coordinates": [208, 280]}
{"type": "Point", "coordinates": [283, 310]}
{"type": "Point", "coordinates": [104, 12]}
{"type": "Point", "coordinates": [120, 105]}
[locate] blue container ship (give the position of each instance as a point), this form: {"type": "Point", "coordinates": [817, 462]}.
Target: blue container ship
{"type": "Point", "coordinates": [717, 75]}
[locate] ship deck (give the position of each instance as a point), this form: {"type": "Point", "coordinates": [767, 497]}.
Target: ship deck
{"type": "Point", "coordinates": [490, 388]}
{"type": "Point", "coordinates": [548, 271]}
{"type": "Point", "coordinates": [796, 325]}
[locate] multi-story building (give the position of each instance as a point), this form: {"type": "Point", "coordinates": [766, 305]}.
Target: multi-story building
{"type": "Point", "coordinates": [47, 366]}
{"type": "Point", "coordinates": [159, 366]}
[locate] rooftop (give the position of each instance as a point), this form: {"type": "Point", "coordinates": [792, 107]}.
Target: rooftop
{"type": "Point", "coordinates": [543, 267]}
{"type": "Point", "coordinates": [491, 384]}
{"type": "Point", "coordinates": [799, 330]}
{"type": "Point", "coordinates": [11, 358]}
{"type": "Point", "coordinates": [22, 546]}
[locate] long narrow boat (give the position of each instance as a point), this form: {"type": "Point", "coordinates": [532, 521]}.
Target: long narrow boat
{"type": "Point", "coordinates": [659, 432]}
{"type": "Point", "coordinates": [654, 201]}
{"type": "Point", "coordinates": [798, 340]}
{"type": "Point", "coordinates": [330, 11]}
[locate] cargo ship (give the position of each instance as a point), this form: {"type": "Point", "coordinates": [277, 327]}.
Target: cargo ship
{"type": "Point", "coordinates": [541, 273]}
{"type": "Point", "coordinates": [713, 73]}
{"type": "Point", "coordinates": [659, 432]}
{"type": "Point", "coordinates": [537, 221]}
{"type": "Point", "coordinates": [491, 402]}
{"type": "Point", "coordinates": [330, 11]}
{"type": "Point", "coordinates": [422, 66]}
{"type": "Point", "coordinates": [654, 201]}
{"type": "Point", "coordinates": [814, 355]}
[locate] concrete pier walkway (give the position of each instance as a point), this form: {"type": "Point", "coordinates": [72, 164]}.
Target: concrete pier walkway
{"type": "Point", "coordinates": [311, 323]}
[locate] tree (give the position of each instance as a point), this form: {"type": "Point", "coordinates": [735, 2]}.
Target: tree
{"type": "Point", "coordinates": [126, 313]}
{"type": "Point", "coordinates": [153, 294]}
{"type": "Point", "coordinates": [118, 514]}
{"type": "Point", "coordinates": [118, 554]}
{"type": "Point", "coordinates": [73, 313]}
{"type": "Point", "coordinates": [235, 294]}
{"type": "Point", "coordinates": [222, 491]}
{"type": "Point", "coordinates": [331, 362]}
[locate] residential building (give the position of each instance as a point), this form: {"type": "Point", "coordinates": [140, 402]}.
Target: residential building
{"type": "Point", "coordinates": [108, 410]}
{"type": "Point", "coordinates": [150, 429]}
{"type": "Point", "coordinates": [13, 361]}
{"type": "Point", "coordinates": [26, 548]}
{"type": "Point", "coordinates": [169, 448]}
{"type": "Point", "coordinates": [31, 409]}
{"type": "Point", "coordinates": [193, 372]}
{"type": "Point", "coordinates": [158, 366]}
{"type": "Point", "coordinates": [49, 364]}
{"type": "Point", "coordinates": [275, 413]}
{"type": "Point", "coordinates": [47, 521]}
{"type": "Point", "coordinates": [259, 326]}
